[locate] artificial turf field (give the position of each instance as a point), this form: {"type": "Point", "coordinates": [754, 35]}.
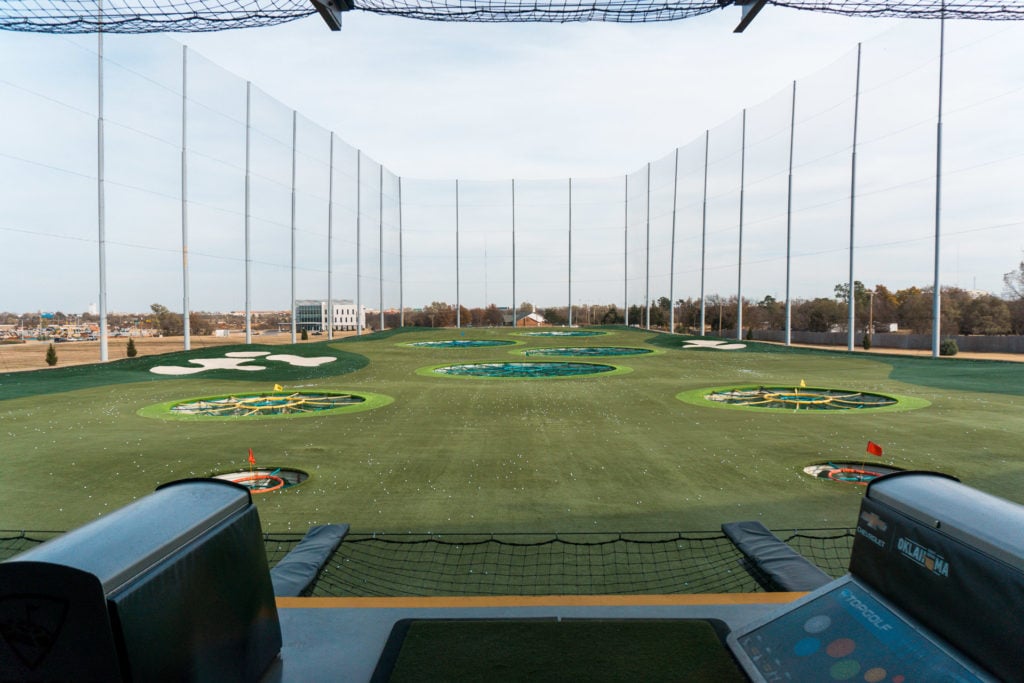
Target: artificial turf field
{"type": "Point", "coordinates": [617, 452]}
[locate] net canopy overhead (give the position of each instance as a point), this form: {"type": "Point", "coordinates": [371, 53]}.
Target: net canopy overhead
{"type": "Point", "coordinates": [147, 16]}
{"type": "Point", "coordinates": [152, 16]}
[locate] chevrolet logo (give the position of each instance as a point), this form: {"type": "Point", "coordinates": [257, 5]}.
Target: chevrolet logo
{"type": "Point", "coordinates": [874, 521]}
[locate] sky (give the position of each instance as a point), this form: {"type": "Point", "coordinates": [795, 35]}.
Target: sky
{"type": "Point", "coordinates": [487, 103]}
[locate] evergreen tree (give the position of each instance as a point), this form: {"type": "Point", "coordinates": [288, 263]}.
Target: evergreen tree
{"type": "Point", "coordinates": [131, 351]}
{"type": "Point", "coordinates": [51, 356]}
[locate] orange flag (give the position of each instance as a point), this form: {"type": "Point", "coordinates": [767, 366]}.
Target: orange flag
{"type": "Point", "coordinates": [252, 458]}
{"type": "Point", "coordinates": [874, 448]}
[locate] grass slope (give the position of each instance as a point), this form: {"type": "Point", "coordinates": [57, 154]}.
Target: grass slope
{"type": "Point", "coordinates": [600, 453]}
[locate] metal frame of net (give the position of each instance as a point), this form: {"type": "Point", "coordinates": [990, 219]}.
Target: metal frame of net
{"type": "Point", "coordinates": [153, 16]}
{"type": "Point", "coordinates": [523, 370]}
{"type": "Point", "coordinates": [265, 404]}
{"type": "Point", "coordinates": [588, 351]}
{"type": "Point", "coordinates": [801, 399]}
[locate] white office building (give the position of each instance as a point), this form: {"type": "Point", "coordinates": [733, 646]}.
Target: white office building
{"type": "Point", "coordinates": [313, 315]}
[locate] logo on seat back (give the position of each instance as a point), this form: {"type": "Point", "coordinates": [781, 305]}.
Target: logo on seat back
{"type": "Point", "coordinates": [924, 557]}
{"type": "Point", "coordinates": [30, 624]}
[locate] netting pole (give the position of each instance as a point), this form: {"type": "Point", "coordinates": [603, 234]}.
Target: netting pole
{"type": "Point", "coordinates": [295, 127]}
{"type": "Point", "coordinates": [625, 257]}
{"type": "Point", "coordinates": [359, 237]}
{"type": "Point", "coordinates": [330, 237]}
{"type": "Point", "coordinates": [739, 258]}
{"type": "Point", "coordinates": [936, 290]}
{"type": "Point", "coordinates": [248, 244]}
{"type": "Point", "coordinates": [850, 299]}
{"type": "Point", "coordinates": [704, 230]}
{"type": "Point", "coordinates": [570, 252]}
{"type": "Point", "coordinates": [789, 220]}
{"type": "Point", "coordinates": [515, 306]}
{"type": "Point", "coordinates": [101, 218]}
{"type": "Point", "coordinates": [458, 303]}
{"type": "Point", "coordinates": [401, 261]}
{"type": "Point", "coordinates": [185, 319]}
{"type": "Point", "coordinates": [672, 255]}
{"type": "Point", "coordinates": [647, 254]}
{"type": "Point", "coordinates": [380, 248]}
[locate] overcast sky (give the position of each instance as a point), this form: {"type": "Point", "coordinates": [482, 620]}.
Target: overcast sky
{"type": "Point", "coordinates": [446, 100]}
{"type": "Point", "coordinates": [525, 101]}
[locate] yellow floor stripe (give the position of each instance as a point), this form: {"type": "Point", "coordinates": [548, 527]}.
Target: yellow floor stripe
{"type": "Point", "coordinates": [539, 601]}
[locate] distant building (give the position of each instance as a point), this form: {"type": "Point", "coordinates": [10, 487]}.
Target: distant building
{"type": "Point", "coordinates": [523, 319]}
{"type": "Point", "coordinates": [313, 315]}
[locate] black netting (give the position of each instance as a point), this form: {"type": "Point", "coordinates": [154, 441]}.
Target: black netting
{"type": "Point", "coordinates": [914, 9]}
{"type": "Point", "coordinates": [532, 564]}
{"type": "Point", "coordinates": [558, 11]}
{"type": "Point", "coordinates": [575, 564]}
{"type": "Point", "coordinates": [279, 545]}
{"type": "Point", "coordinates": [141, 16]}
{"type": "Point", "coordinates": [14, 542]}
{"type": "Point", "coordinates": [147, 16]}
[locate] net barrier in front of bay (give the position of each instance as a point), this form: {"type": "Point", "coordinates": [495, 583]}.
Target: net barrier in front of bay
{"type": "Point", "coordinates": [651, 563]}
{"type": "Point", "coordinates": [396, 565]}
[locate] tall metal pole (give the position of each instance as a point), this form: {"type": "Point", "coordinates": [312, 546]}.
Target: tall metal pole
{"type": "Point", "coordinates": [789, 220]}
{"type": "Point", "coordinates": [625, 258]}
{"type": "Point", "coordinates": [515, 306]}
{"type": "Point", "coordinates": [101, 217]}
{"type": "Point", "coordinates": [570, 252]}
{"type": "Point", "coordinates": [704, 230]}
{"type": "Point", "coordinates": [458, 302]}
{"type": "Point", "coordinates": [330, 238]}
{"type": "Point", "coordinates": [248, 244]}
{"type": "Point", "coordinates": [295, 127]}
{"type": "Point", "coordinates": [739, 260]}
{"type": "Point", "coordinates": [851, 300]}
{"type": "Point", "coordinates": [672, 256]}
{"type": "Point", "coordinates": [380, 249]}
{"type": "Point", "coordinates": [647, 254]}
{"type": "Point", "coordinates": [936, 287]}
{"type": "Point", "coordinates": [401, 262]}
{"type": "Point", "coordinates": [359, 238]}
{"type": "Point", "coordinates": [185, 318]}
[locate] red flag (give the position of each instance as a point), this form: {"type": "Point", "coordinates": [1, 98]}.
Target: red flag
{"type": "Point", "coordinates": [252, 458]}
{"type": "Point", "coordinates": [874, 448]}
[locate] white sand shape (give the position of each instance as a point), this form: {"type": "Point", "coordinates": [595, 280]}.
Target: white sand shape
{"type": "Point", "coordinates": [207, 364]}
{"type": "Point", "coordinates": [301, 361]}
{"type": "Point", "coordinates": [712, 344]}
{"type": "Point", "coordinates": [235, 360]}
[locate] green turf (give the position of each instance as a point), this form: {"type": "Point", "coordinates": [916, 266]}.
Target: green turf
{"type": "Point", "coordinates": [541, 650]}
{"type": "Point", "coordinates": [614, 452]}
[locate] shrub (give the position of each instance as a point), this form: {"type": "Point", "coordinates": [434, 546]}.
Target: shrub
{"type": "Point", "coordinates": [305, 335]}
{"type": "Point", "coordinates": [51, 356]}
{"type": "Point", "coordinates": [750, 333]}
{"type": "Point", "coordinates": [948, 347]}
{"type": "Point", "coordinates": [866, 342]}
{"type": "Point", "coordinates": [130, 350]}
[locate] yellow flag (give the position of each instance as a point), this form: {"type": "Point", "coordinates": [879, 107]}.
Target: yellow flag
{"type": "Point", "coordinates": [278, 387]}
{"type": "Point", "coordinates": [802, 383]}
